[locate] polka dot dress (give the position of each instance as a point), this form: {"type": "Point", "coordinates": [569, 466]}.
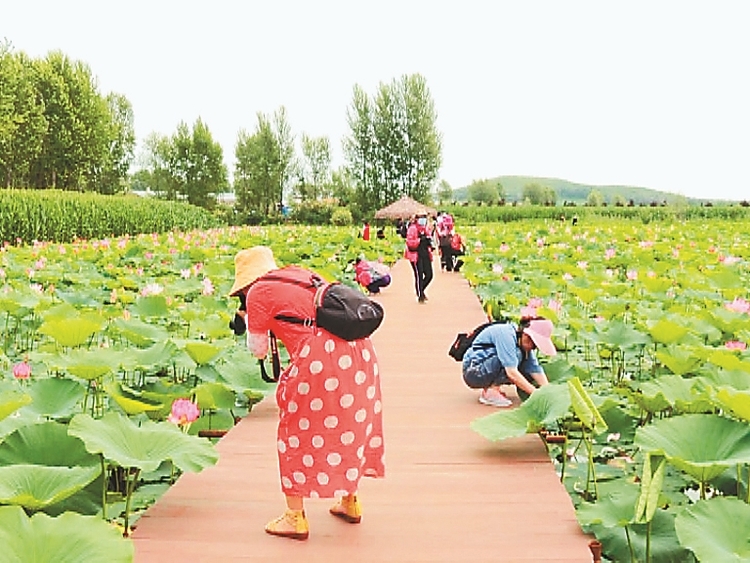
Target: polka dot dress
{"type": "Point", "coordinates": [330, 430]}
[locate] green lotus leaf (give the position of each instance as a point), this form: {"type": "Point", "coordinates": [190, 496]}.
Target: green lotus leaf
{"type": "Point", "coordinates": [679, 360]}
{"type": "Point", "coordinates": [159, 355]}
{"type": "Point", "coordinates": [46, 443]}
{"type": "Point", "coordinates": [78, 299]}
{"type": "Point", "coordinates": [671, 391]}
{"type": "Point", "coordinates": [220, 420]}
{"type": "Point", "coordinates": [129, 400]}
{"type": "Point", "coordinates": [146, 446]}
{"type": "Point", "coordinates": [214, 396]}
{"type": "Point", "coordinates": [140, 333]}
{"type": "Point", "coordinates": [208, 373]}
{"type": "Point", "coordinates": [667, 332]}
{"type": "Point", "coordinates": [542, 410]}
{"type": "Point", "coordinates": [55, 397]}
{"type": "Point", "coordinates": [651, 482]}
{"type": "Point", "coordinates": [213, 327]}
{"type": "Point", "coordinates": [736, 379]}
{"type": "Point", "coordinates": [11, 400]}
{"type": "Point", "coordinates": [657, 285]}
{"type": "Point", "coordinates": [89, 364]}
{"type": "Point", "coordinates": [584, 407]}
{"type": "Point", "coordinates": [241, 375]}
{"type": "Point", "coordinates": [70, 332]}
{"type": "Point", "coordinates": [151, 306]}
{"type": "Point", "coordinates": [37, 486]}
{"type": "Point", "coordinates": [702, 446]}
{"type": "Point", "coordinates": [69, 538]}
{"type": "Point", "coordinates": [202, 352]}
{"type": "Point", "coordinates": [725, 279]}
{"type": "Point", "coordinates": [737, 402]}
{"type": "Point", "coordinates": [727, 321]}
{"type": "Point", "coordinates": [586, 296]}
{"type": "Point", "coordinates": [614, 507]}
{"type": "Point", "coordinates": [623, 335]}
{"type": "Point", "coordinates": [664, 544]}
{"type": "Point", "coordinates": [716, 530]}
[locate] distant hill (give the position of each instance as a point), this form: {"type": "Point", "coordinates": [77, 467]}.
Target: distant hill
{"type": "Point", "coordinates": [573, 192]}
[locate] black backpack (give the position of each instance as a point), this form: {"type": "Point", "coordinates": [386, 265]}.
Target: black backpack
{"type": "Point", "coordinates": [464, 340]}
{"type": "Point", "coordinates": [341, 310]}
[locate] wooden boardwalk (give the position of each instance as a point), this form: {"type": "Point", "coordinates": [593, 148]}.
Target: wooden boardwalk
{"type": "Point", "coordinates": [448, 495]}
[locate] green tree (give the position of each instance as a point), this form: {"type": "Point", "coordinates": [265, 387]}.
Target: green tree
{"type": "Point", "coordinates": [482, 191]}
{"type": "Point", "coordinates": [77, 138]}
{"type": "Point", "coordinates": [206, 174]}
{"type": "Point", "coordinates": [316, 154]}
{"type": "Point", "coordinates": [288, 165]}
{"type": "Point", "coordinates": [594, 199]}
{"type": "Point", "coordinates": [394, 148]}
{"type": "Point", "coordinates": [257, 174]}
{"type": "Point", "coordinates": [121, 146]}
{"type": "Point", "coordinates": [444, 192]}
{"type": "Point", "coordinates": [537, 194]}
{"type": "Point", "coordinates": [22, 121]}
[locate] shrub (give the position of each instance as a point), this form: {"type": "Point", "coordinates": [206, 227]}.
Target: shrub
{"type": "Point", "coordinates": [341, 217]}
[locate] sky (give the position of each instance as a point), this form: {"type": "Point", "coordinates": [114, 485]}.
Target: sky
{"type": "Point", "coordinates": [651, 93]}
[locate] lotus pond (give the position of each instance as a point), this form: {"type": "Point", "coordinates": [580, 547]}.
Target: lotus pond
{"type": "Point", "coordinates": [647, 416]}
{"type": "Point", "coordinates": [116, 358]}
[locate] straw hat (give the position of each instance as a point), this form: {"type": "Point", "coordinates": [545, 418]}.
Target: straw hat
{"type": "Point", "coordinates": [540, 331]}
{"type": "Point", "coordinates": [249, 265]}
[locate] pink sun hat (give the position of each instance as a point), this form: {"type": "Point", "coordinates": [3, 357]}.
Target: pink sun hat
{"type": "Point", "coordinates": [540, 331]}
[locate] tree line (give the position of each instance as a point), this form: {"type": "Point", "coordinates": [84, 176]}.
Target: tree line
{"type": "Point", "coordinates": [57, 130]}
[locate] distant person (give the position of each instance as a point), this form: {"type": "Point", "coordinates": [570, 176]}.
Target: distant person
{"type": "Point", "coordinates": [366, 231]}
{"type": "Point", "coordinates": [380, 233]}
{"type": "Point", "coordinates": [574, 222]}
{"type": "Point", "coordinates": [401, 227]}
{"type": "Point", "coordinates": [503, 354]}
{"type": "Point", "coordinates": [458, 248]}
{"type": "Point", "coordinates": [445, 231]}
{"type": "Point", "coordinates": [419, 253]}
{"type": "Point", "coordinates": [371, 275]}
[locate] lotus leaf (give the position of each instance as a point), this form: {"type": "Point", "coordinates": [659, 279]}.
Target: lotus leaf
{"type": "Point", "coordinates": [623, 335]}
{"type": "Point", "coordinates": [664, 545]}
{"type": "Point", "coordinates": [146, 446]}
{"type": "Point", "coordinates": [584, 407]}
{"type": "Point", "coordinates": [151, 306]}
{"type": "Point", "coordinates": [737, 402]}
{"type": "Point", "coordinates": [214, 396]}
{"type": "Point", "coordinates": [615, 506]}
{"type": "Point", "coordinates": [651, 483]}
{"type": "Point", "coordinates": [11, 401]}
{"type": "Point", "coordinates": [129, 400]}
{"type": "Point", "coordinates": [37, 486]}
{"type": "Point", "coordinates": [55, 397]}
{"type": "Point", "coordinates": [679, 360]}
{"type": "Point", "coordinates": [546, 406]}
{"type": "Point", "coordinates": [202, 352]}
{"type": "Point", "coordinates": [140, 333]}
{"type": "Point", "coordinates": [702, 446]}
{"type": "Point", "coordinates": [69, 538]}
{"type": "Point", "coordinates": [70, 332]}
{"type": "Point", "coordinates": [716, 530]}
{"type": "Point", "coordinates": [671, 391]}
{"type": "Point", "coordinates": [667, 332]}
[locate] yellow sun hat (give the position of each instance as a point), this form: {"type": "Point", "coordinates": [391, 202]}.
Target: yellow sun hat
{"type": "Point", "coordinates": [249, 265]}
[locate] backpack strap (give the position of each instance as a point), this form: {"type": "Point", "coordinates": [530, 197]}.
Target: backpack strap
{"type": "Point", "coordinates": [316, 283]}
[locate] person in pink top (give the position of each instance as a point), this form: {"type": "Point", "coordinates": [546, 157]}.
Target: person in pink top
{"type": "Point", "coordinates": [371, 275]}
{"type": "Point", "coordinates": [419, 253]}
{"type": "Point", "coordinates": [330, 431]}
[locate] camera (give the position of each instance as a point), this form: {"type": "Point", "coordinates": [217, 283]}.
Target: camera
{"type": "Point", "coordinates": [237, 324]}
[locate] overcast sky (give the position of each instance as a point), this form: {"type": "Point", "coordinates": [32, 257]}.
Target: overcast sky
{"type": "Point", "coordinates": [645, 93]}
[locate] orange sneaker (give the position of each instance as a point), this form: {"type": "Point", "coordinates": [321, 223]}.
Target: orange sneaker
{"type": "Point", "coordinates": [292, 524]}
{"type": "Point", "coordinates": [348, 509]}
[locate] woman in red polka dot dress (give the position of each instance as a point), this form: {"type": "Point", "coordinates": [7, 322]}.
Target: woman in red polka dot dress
{"type": "Point", "coordinates": [330, 430]}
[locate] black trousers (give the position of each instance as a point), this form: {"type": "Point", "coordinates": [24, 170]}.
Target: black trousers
{"type": "Point", "coordinates": [422, 274]}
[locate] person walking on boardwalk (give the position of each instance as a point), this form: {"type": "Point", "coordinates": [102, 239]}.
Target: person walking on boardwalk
{"type": "Point", "coordinates": [503, 354]}
{"type": "Point", "coordinates": [419, 253]}
{"type": "Point", "coordinates": [330, 431]}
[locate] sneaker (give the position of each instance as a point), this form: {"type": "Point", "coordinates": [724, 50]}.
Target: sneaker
{"type": "Point", "coordinates": [494, 397]}
{"type": "Point", "coordinates": [292, 524]}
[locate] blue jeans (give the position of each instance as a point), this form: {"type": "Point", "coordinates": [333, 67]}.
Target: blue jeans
{"type": "Point", "coordinates": [480, 374]}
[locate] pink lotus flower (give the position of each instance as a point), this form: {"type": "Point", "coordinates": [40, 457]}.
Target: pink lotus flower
{"type": "Point", "coordinates": [567, 276]}
{"type": "Point", "coordinates": [739, 305]}
{"type": "Point", "coordinates": [582, 264]}
{"type": "Point", "coordinates": [208, 287]}
{"type": "Point", "coordinates": [151, 289]}
{"type": "Point", "coordinates": [185, 273]}
{"type": "Point", "coordinates": [504, 248]}
{"type": "Point", "coordinates": [497, 268]}
{"type": "Point", "coordinates": [736, 345]}
{"type": "Point", "coordinates": [2, 274]}
{"type": "Point", "coordinates": [183, 412]}
{"type": "Point", "coordinates": [22, 370]}
{"type": "Point", "coordinates": [540, 242]}
{"type": "Point", "coordinates": [61, 249]}
{"type": "Point", "coordinates": [632, 275]}
{"type": "Point", "coordinates": [609, 253]}
{"type": "Point", "coordinates": [646, 243]}
{"type": "Point", "coordinates": [528, 311]}
{"type": "Point", "coordinates": [555, 305]}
